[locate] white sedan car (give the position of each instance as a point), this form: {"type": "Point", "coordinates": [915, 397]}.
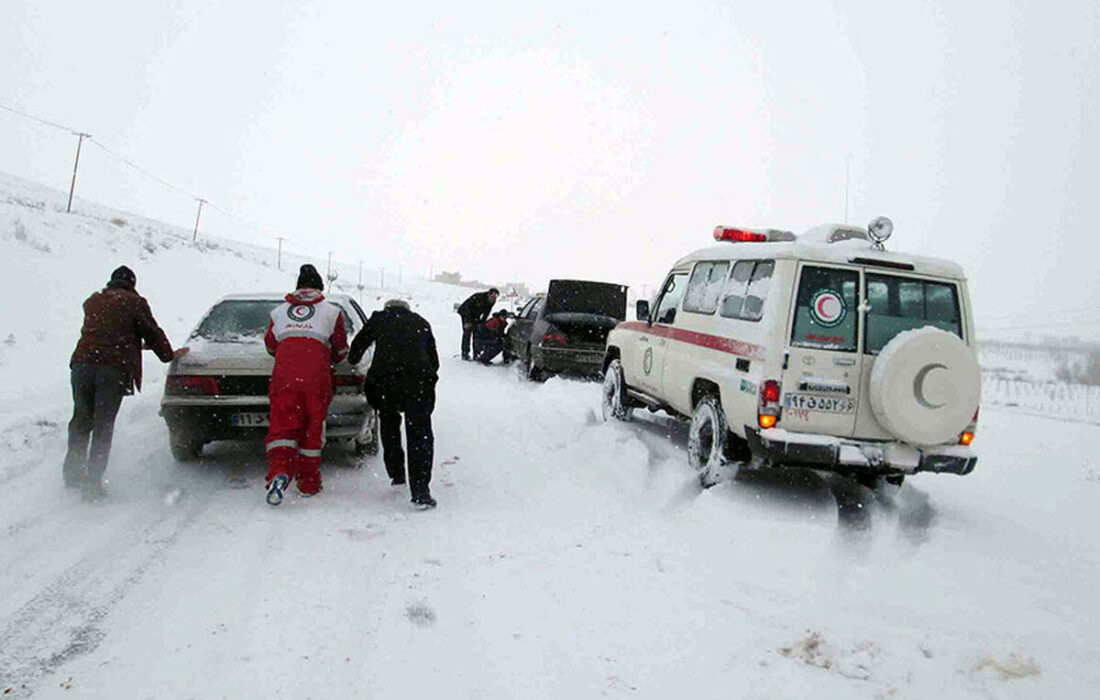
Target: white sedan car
{"type": "Point", "coordinates": [218, 391]}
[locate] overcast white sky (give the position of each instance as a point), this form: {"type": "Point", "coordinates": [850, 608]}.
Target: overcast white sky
{"type": "Point", "coordinates": [581, 141]}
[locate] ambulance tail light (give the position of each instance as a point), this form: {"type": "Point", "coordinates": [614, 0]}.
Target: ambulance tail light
{"type": "Point", "coordinates": [768, 412]}
{"type": "Point", "coordinates": [348, 380]}
{"type": "Point", "coordinates": [967, 436]}
{"type": "Point", "coordinates": [191, 385]}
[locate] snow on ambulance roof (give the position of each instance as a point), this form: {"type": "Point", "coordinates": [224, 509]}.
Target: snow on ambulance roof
{"type": "Point", "coordinates": [853, 248]}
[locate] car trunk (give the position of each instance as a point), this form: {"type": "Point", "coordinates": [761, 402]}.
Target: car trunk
{"type": "Point", "coordinates": [583, 330]}
{"type": "Point", "coordinates": [585, 312]}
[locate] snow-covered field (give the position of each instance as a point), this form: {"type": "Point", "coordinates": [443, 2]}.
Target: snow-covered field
{"type": "Point", "coordinates": [568, 558]}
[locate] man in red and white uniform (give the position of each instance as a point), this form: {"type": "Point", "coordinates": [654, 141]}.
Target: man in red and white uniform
{"type": "Point", "coordinates": [307, 337]}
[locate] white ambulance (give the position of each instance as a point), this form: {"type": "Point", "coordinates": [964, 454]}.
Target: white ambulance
{"type": "Point", "coordinates": [821, 351]}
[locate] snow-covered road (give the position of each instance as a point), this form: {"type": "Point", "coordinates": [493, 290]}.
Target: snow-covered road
{"type": "Point", "coordinates": [567, 559]}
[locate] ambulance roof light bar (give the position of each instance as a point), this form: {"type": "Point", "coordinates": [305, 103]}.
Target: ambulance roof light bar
{"type": "Point", "coordinates": [752, 235]}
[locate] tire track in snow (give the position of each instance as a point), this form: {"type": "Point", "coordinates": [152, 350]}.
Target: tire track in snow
{"type": "Point", "coordinates": [66, 619]}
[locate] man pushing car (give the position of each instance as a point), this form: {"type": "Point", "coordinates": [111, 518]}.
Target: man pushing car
{"type": "Point", "coordinates": [307, 337]}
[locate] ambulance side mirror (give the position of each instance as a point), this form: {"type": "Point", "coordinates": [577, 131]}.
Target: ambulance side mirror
{"type": "Point", "coordinates": [641, 310]}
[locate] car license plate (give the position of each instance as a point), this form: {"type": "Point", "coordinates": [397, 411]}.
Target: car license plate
{"type": "Point", "coordinates": [250, 420]}
{"type": "Point", "coordinates": [825, 404]}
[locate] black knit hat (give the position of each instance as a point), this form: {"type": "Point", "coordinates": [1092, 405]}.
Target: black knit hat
{"type": "Point", "coordinates": [123, 277]}
{"type": "Point", "coordinates": [309, 278]}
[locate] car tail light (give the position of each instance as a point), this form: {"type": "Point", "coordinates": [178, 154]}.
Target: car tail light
{"type": "Point", "coordinates": [348, 380]}
{"type": "Point", "coordinates": [554, 338]}
{"type": "Point", "coordinates": [768, 412]}
{"type": "Point", "coordinates": [967, 436]}
{"type": "Point", "coordinates": [191, 385]}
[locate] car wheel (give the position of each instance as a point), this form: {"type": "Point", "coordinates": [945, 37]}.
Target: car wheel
{"type": "Point", "coordinates": [531, 369]}
{"type": "Point", "coordinates": [708, 443]}
{"type": "Point", "coordinates": [614, 394]}
{"type": "Point", "coordinates": [186, 447]}
{"type": "Point", "coordinates": [367, 442]}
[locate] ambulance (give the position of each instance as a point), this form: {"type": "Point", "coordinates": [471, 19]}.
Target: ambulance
{"type": "Point", "coordinates": [822, 351]}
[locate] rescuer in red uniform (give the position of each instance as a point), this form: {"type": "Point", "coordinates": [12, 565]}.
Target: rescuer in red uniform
{"type": "Point", "coordinates": [307, 337]}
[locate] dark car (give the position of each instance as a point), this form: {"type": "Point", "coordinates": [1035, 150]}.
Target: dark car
{"type": "Point", "coordinates": [565, 330]}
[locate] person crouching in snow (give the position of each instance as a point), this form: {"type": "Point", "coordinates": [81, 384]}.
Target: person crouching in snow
{"type": "Point", "coordinates": [307, 337]}
{"type": "Point", "coordinates": [489, 338]}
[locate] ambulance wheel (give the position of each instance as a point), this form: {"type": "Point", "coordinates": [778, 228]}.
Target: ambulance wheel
{"type": "Point", "coordinates": [614, 404]}
{"type": "Point", "coordinates": [709, 443]}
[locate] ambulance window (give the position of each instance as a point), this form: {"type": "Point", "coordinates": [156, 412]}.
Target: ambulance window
{"type": "Point", "coordinates": [670, 298]}
{"type": "Point", "coordinates": [349, 325]}
{"type": "Point", "coordinates": [900, 304]}
{"type": "Point", "coordinates": [758, 290]}
{"type": "Point", "coordinates": [747, 289]}
{"type": "Point", "coordinates": [705, 287]}
{"type": "Point", "coordinates": [825, 309]}
{"type": "Point", "coordinates": [733, 301]}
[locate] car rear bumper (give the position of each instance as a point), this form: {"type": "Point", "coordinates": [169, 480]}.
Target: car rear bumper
{"type": "Point", "coordinates": [210, 416]}
{"type": "Point", "coordinates": [780, 447]}
{"type": "Point", "coordinates": [570, 360]}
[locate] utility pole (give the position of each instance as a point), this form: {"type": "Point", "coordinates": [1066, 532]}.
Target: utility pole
{"type": "Point", "coordinates": [328, 272]}
{"type": "Point", "coordinates": [195, 235]}
{"type": "Point", "coordinates": [279, 256]}
{"type": "Point", "coordinates": [359, 286]}
{"type": "Point", "coordinates": [79, 142]}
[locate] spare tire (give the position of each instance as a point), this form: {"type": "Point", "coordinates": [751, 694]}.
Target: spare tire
{"type": "Point", "coordinates": [926, 386]}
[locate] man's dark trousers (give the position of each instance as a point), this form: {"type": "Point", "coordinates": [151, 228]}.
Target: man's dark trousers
{"type": "Point", "coordinates": [419, 439]}
{"type": "Point", "coordinates": [97, 395]}
{"type": "Point", "coordinates": [467, 333]}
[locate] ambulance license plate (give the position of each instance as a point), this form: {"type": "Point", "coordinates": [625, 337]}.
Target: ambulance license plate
{"type": "Point", "coordinates": [825, 404]}
{"type": "Point", "coordinates": [250, 420]}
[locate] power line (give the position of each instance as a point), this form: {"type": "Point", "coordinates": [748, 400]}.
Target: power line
{"type": "Point", "coordinates": [142, 170]}
{"type": "Point", "coordinates": [47, 122]}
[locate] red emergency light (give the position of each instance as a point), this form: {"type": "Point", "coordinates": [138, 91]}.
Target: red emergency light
{"type": "Point", "coordinates": [738, 235]}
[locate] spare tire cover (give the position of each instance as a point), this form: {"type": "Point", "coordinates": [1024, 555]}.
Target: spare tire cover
{"type": "Point", "coordinates": [926, 386]}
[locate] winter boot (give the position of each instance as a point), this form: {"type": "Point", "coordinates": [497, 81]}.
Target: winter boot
{"type": "Point", "coordinates": [276, 489]}
{"type": "Point", "coordinates": [423, 500]}
{"type": "Point", "coordinates": [93, 490]}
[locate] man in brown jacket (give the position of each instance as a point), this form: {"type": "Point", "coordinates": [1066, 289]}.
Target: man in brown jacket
{"type": "Point", "coordinates": [106, 366]}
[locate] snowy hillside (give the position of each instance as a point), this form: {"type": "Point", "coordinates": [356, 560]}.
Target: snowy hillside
{"type": "Point", "coordinates": [567, 559]}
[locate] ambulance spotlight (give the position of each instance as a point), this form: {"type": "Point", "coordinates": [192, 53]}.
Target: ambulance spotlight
{"type": "Point", "coordinates": [879, 230]}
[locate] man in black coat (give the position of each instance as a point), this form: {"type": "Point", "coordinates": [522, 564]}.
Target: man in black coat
{"type": "Point", "coordinates": [401, 379]}
{"type": "Point", "coordinates": [474, 311]}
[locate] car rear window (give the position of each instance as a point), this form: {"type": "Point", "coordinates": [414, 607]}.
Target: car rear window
{"type": "Point", "coordinates": [598, 298]}
{"type": "Point", "coordinates": [236, 318]}
{"type": "Point", "coordinates": [826, 309]}
{"type": "Point", "coordinates": [900, 304]}
{"type": "Point", "coordinates": [248, 318]}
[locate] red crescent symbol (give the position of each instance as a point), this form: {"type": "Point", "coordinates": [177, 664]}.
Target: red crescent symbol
{"type": "Point", "coordinates": [820, 304]}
